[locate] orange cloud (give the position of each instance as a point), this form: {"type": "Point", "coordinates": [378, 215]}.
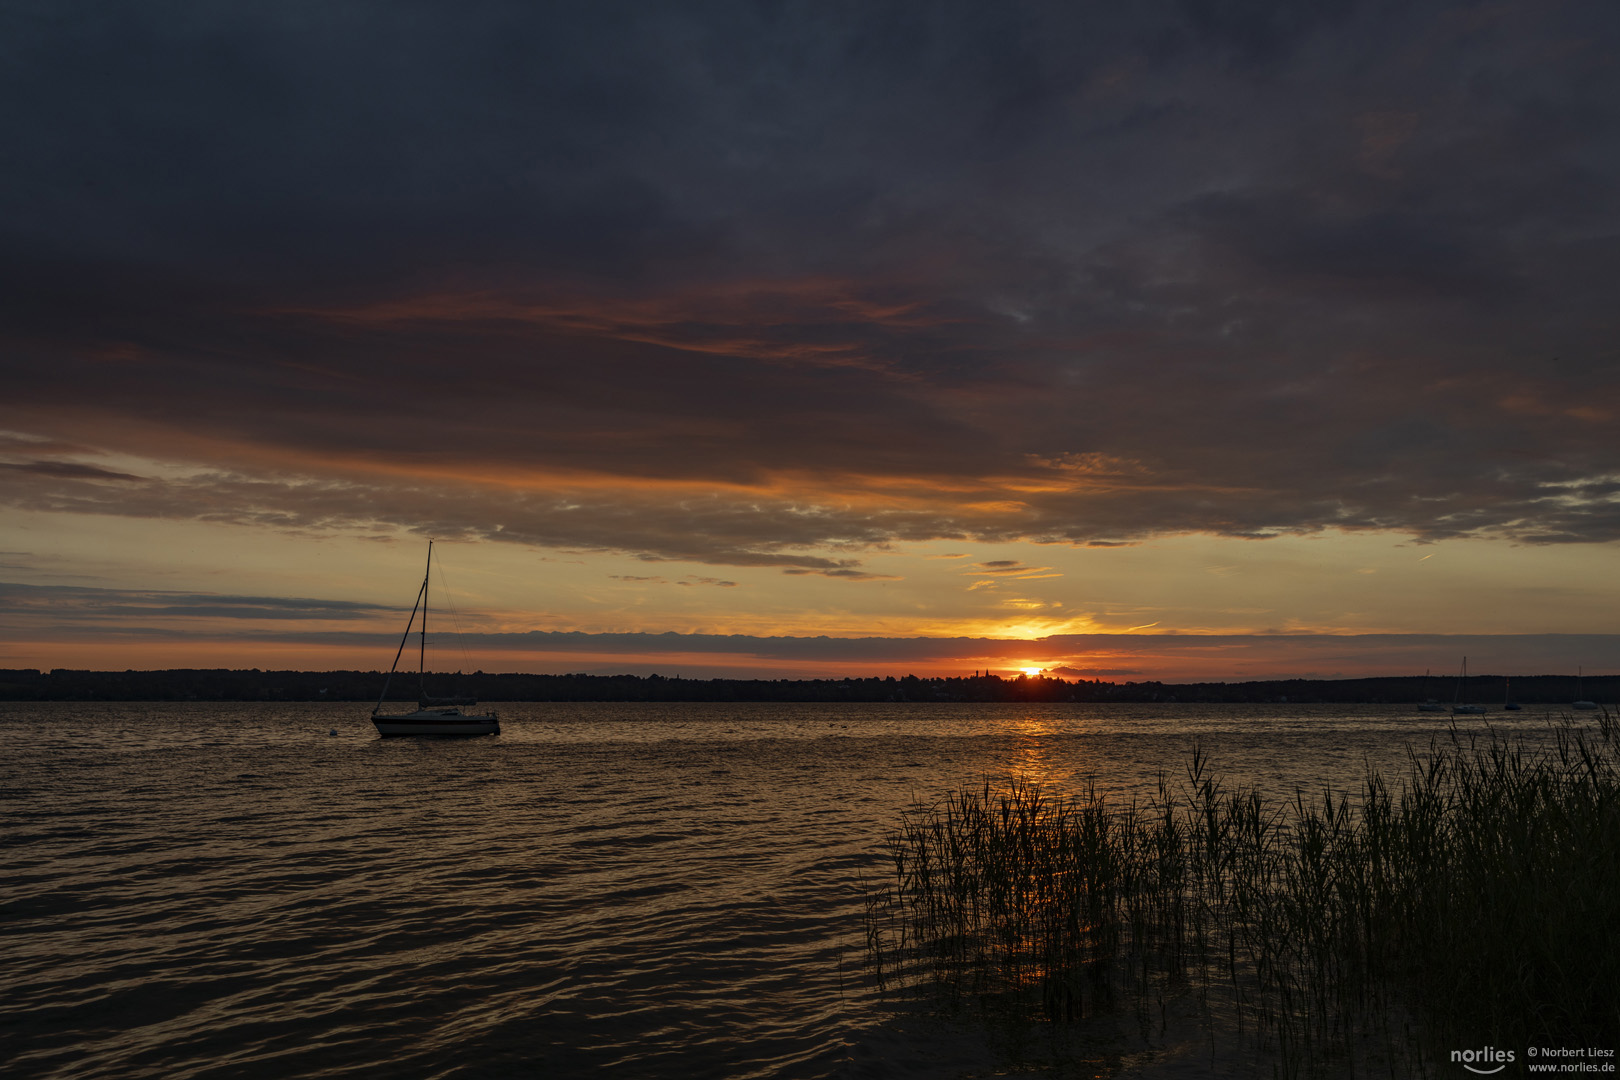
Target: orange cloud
{"type": "Point", "coordinates": [762, 320]}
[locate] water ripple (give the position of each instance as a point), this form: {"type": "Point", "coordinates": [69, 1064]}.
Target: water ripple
{"type": "Point", "coordinates": [205, 890]}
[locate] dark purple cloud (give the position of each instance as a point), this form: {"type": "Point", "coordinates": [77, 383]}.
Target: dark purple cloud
{"type": "Point", "coordinates": [1081, 273]}
{"type": "Point", "coordinates": [65, 606]}
{"type": "Point", "coordinates": [66, 470]}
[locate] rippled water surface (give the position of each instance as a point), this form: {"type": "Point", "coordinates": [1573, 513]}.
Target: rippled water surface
{"type": "Point", "coordinates": [652, 890]}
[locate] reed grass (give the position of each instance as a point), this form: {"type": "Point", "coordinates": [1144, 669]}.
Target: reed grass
{"type": "Point", "coordinates": [1476, 902]}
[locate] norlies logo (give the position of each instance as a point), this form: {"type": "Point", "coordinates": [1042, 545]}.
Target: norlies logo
{"type": "Point", "coordinates": [1489, 1055]}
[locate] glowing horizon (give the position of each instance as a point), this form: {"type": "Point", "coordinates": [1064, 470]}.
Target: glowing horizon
{"type": "Point", "coordinates": [879, 344]}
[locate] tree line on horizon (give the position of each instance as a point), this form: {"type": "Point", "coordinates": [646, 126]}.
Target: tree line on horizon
{"type": "Point", "coordinates": [219, 684]}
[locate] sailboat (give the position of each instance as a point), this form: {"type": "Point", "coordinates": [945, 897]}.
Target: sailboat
{"type": "Point", "coordinates": [1508, 704]}
{"type": "Point", "coordinates": [1582, 703]}
{"type": "Point", "coordinates": [433, 716]}
{"type": "Point", "coordinates": [1457, 706]}
{"type": "Point", "coordinates": [1428, 704]}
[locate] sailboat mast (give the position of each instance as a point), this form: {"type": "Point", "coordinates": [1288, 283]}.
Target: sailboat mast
{"type": "Point", "coordinates": [422, 656]}
{"type": "Point", "coordinates": [421, 660]}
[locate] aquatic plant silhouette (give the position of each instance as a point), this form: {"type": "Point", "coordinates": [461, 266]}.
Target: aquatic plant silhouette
{"type": "Point", "coordinates": [1477, 902]}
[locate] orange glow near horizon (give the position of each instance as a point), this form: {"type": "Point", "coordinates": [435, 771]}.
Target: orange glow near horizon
{"type": "Point", "coordinates": [188, 594]}
{"type": "Point", "coordinates": [271, 655]}
{"type": "Point", "coordinates": [1182, 661]}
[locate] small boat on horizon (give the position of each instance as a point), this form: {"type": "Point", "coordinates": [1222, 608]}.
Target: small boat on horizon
{"type": "Point", "coordinates": [1581, 703]}
{"type": "Point", "coordinates": [1458, 708]}
{"type": "Point", "coordinates": [1428, 704]}
{"type": "Point", "coordinates": [432, 716]}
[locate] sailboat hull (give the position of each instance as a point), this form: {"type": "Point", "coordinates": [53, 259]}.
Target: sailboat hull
{"type": "Point", "coordinates": [427, 722]}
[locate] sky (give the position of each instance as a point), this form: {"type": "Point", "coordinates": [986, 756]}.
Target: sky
{"type": "Point", "coordinates": [1198, 340]}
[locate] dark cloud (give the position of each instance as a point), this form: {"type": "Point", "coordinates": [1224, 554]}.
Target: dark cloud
{"type": "Point", "coordinates": [67, 604]}
{"type": "Point", "coordinates": [70, 470]}
{"type": "Point", "coordinates": [1012, 568]}
{"type": "Point", "coordinates": [689, 580]}
{"type": "Point", "coordinates": [1067, 671]}
{"type": "Point", "coordinates": [849, 573]}
{"type": "Point", "coordinates": [779, 285]}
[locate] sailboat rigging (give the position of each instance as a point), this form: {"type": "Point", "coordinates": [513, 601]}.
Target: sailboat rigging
{"type": "Point", "coordinates": [433, 716]}
{"type": "Point", "coordinates": [1457, 704]}
{"type": "Point", "coordinates": [1580, 702]}
{"type": "Point", "coordinates": [1428, 704]}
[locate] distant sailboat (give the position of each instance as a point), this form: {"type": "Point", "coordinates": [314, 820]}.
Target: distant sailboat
{"type": "Point", "coordinates": [433, 716]}
{"type": "Point", "coordinates": [1508, 704]}
{"type": "Point", "coordinates": [1457, 706]}
{"type": "Point", "coordinates": [1428, 704]}
{"type": "Point", "coordinates": [1583, 703]}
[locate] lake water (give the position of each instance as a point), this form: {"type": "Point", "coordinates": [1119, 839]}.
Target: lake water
{"type": "Point", "coordinates": [226, 890]}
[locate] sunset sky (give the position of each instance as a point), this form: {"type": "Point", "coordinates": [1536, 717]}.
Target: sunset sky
{"type": "Point", "coordinates": [1209, 339]}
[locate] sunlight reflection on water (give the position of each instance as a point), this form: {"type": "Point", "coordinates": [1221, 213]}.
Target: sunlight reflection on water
{"type": "Point", "coordinates": [664, 890]}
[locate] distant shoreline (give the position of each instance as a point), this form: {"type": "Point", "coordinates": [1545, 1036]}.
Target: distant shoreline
{"type": "Point", "coordinates": [218, 684]}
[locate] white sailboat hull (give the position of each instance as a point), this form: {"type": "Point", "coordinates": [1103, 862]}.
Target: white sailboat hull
{"type": "Point", "coordinates": [436, 722]}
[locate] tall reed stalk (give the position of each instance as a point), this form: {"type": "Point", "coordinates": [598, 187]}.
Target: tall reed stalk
{"type": "Point", "coordinates": [1476, 903]}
